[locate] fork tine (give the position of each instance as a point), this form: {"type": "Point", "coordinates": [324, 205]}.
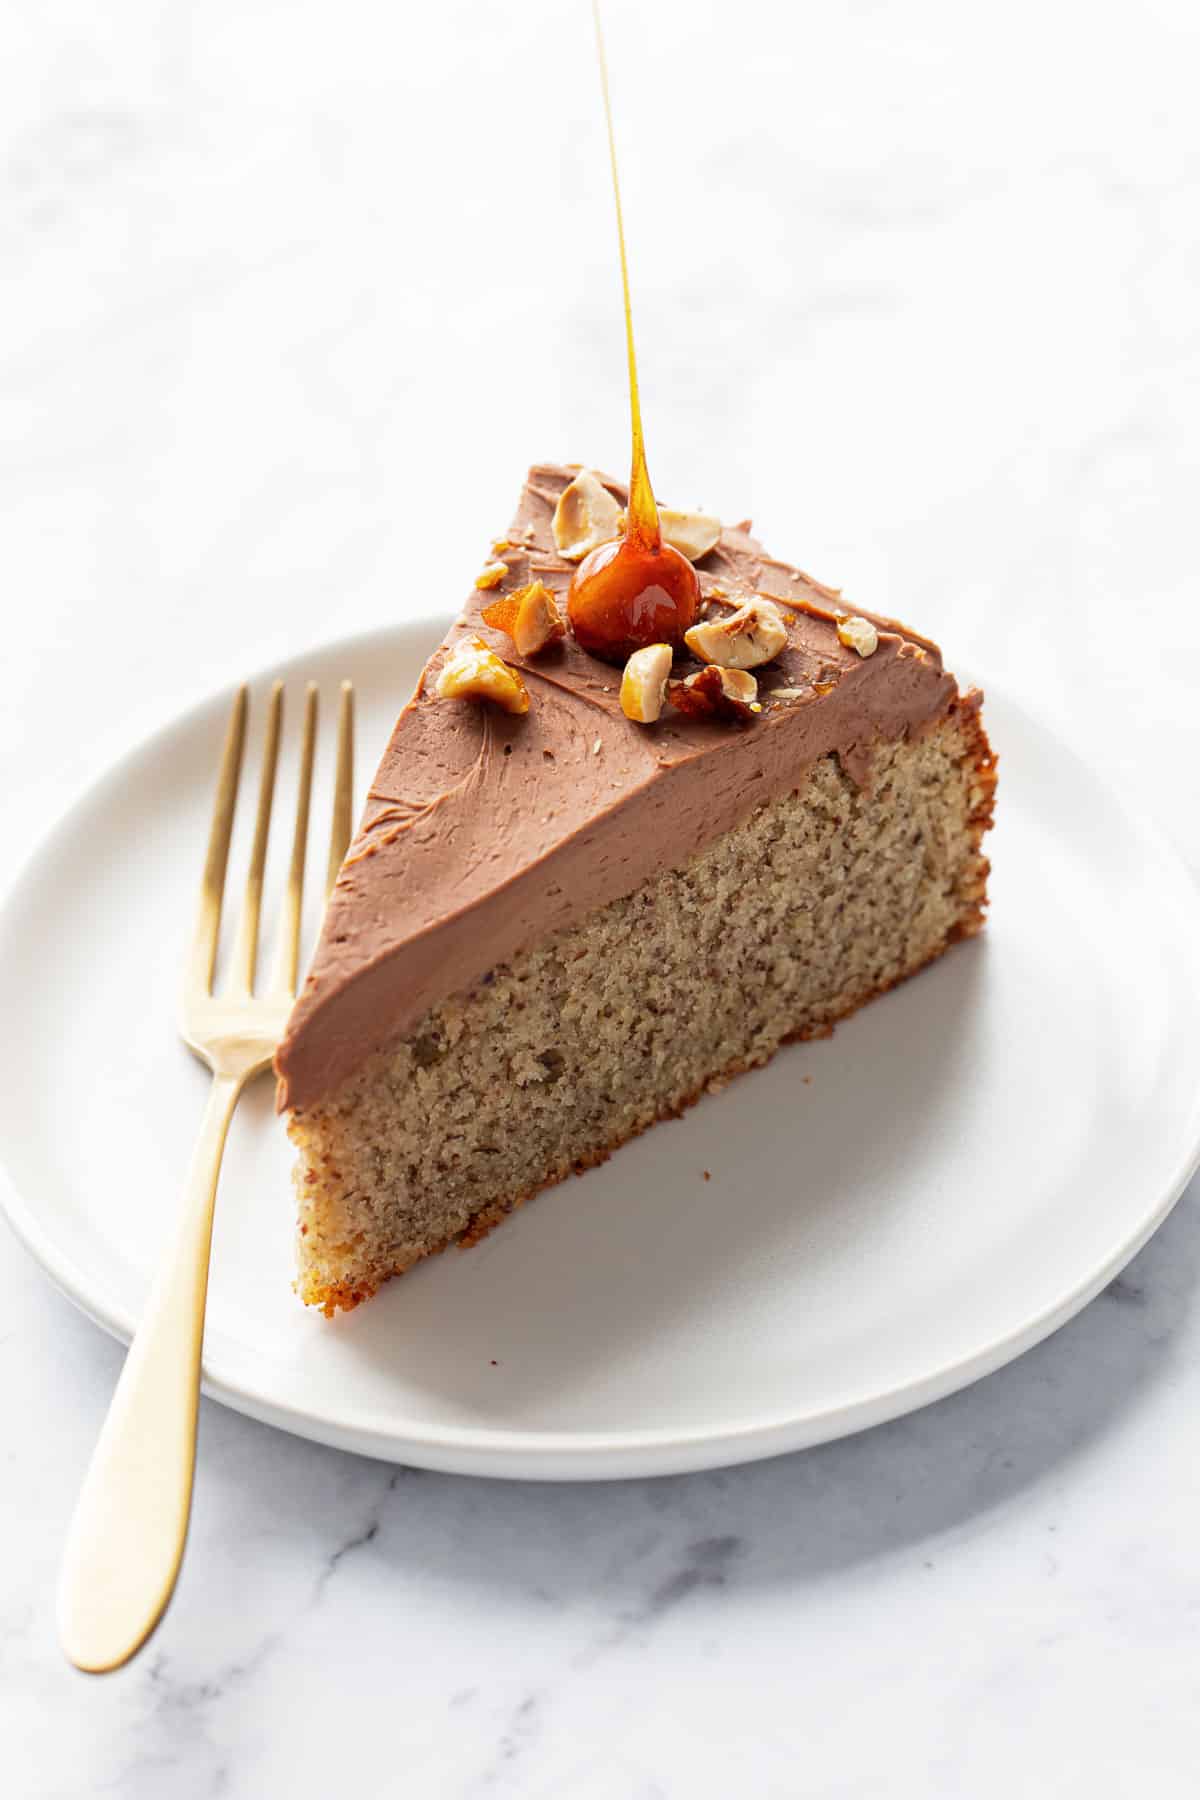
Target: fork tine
{"type": "Point", "coordinates": [203, 955]}
{"type": "Point", "coordinates": [245, 949]}
{"type": "Point", "coordinates": [343, 791]}
{"type": "Point", "coordinates": [289, 941]}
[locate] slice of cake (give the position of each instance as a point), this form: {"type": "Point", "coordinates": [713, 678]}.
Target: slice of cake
{"type": "Point", "coordinates": [558, 925]}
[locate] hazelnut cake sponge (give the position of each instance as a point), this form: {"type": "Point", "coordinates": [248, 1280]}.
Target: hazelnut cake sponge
{"type": "Point", "coordinates": [580, 894]}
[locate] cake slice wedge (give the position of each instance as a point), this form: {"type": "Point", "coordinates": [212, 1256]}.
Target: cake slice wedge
{"type": "Point", "coordinates": [553, 929]}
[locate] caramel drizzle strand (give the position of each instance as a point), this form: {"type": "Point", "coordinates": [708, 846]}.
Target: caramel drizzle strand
{"type": "Point", "coordinates": [643, 513]}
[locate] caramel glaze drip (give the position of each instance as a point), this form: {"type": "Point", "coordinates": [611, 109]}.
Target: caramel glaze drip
{"type": "Point", "coordinates": [636, 590]}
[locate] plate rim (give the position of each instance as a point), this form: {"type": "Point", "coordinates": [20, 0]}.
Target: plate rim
{"type": "Point", "coordinates": [559, 1455]}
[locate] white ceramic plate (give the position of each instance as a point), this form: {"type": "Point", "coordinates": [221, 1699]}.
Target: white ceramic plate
{"type": "Point", "coordinates": [890, 1214]}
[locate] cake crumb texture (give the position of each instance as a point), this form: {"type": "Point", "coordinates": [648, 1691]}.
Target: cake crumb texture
{"type": "Point", "coordinates": [818, 901]}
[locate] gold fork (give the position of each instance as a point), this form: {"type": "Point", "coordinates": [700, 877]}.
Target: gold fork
{"type": "Point", "coordinates": [126, 1540]}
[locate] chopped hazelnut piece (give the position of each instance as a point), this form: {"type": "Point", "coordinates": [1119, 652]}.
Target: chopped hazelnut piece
{"type": "Point", "coordinates": [501, 614]}
{"type": "Point", "coordinates": [751, 635]}
{"type": "Point", "coordinates": [585, 517]}
{"type": "Point", "coordinates": [693, 533]}
{"type": "Point", "coordinates": [530, 616]}
{"type": "Point", "coordinates": [473, 672]}
{"type": "Point", "coordinates": [644, 683]}
{"type": "Point", "coordinates": [492, 575]}
{"type": "Point", "coordinates": [538, 620]}
{"type": "Point", "coordinates": [716, 693]}
{"type": "Point", "coordinates": [858, 634]}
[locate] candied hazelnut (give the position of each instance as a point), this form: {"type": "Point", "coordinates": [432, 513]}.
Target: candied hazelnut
{"type": "Point", "coordinates": [625, 595]}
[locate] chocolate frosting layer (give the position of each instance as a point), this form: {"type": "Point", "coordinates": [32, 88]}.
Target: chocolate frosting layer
{"type": "Point", "coordinates": [484, 832]}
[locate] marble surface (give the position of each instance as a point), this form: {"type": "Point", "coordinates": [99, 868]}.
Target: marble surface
{"type": "Point", "coordinates": [916, 288]}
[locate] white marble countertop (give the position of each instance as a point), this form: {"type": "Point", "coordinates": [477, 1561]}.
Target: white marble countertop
{"type": "Point", "coordinates": [916, 289]}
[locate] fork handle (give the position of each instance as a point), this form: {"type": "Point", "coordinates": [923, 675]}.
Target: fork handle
{"type": "Point", "coordinates": [126, 1539]}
